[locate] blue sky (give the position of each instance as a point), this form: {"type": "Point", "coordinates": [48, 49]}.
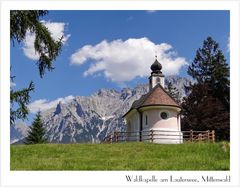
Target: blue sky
{"type": "Point", "coordinates": [114, 49]}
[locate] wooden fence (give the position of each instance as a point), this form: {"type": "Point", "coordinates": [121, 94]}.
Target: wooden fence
{"type": "Point", "coordinates": [161, 136]}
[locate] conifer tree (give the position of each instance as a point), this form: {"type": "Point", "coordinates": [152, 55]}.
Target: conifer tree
{"type": "Point", "coordinates": [207, 105]}
{"type": "Point", "coordinates": [202, 111]}
{"type": "Point", "coordinates": [36, 132]}
{"type": "Point", "coordinates": [209, 66]}
{"type": "Point", "coordinates": [21, 22]}
{"type": "Point", "coordinates": [19, 100]}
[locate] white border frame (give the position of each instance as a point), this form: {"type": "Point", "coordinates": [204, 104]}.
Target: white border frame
{"type": "Point", "coordinates": [115, 178]}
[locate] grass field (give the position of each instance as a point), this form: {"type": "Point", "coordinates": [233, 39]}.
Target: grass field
{"type": "Point", "coordinates": [121, 156]}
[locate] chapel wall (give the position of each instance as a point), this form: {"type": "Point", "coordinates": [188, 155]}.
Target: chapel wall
{"type": "Point", "coordinates": [155, 121]}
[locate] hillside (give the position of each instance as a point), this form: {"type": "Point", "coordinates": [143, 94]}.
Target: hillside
{"type": "Point", "coordinates": [121, 156]}
{"type": "Point", "coordinates": [91, 118]}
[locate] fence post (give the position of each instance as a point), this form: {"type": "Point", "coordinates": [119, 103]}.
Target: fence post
{"type": "Point", "coordinates": [199, 137]}
{"type": "Point", "coordinates": [208, 137]}
{"type": "Point", "coordinates": [116, 136]}
{"type": "Point", "coordinates": [191, 135]}
{"type": "Point", "coordinates": [151, 135]}
{"type": "Point", "coordinates": [213, 136]}
{"type": "Point", "coordinates": [111, 138]}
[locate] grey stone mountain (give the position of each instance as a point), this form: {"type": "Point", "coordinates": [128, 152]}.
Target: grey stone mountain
{"type": "Point", "coordinates": [18, 131]}
{"type": "Point", "coordinates": [179, 83]}
{"type": "Point", "coordinates": [91, 118]}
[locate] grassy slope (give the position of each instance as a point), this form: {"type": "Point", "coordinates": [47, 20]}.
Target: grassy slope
{"type": "Point", "coordinates": [121, 156]}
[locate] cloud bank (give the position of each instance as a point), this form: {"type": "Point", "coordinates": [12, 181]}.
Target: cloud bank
{"type": "Point", "coordinates": [44, 104]}
{"type": "Point", "coordinates": [57, 31]}
{"type": "Point", "coordinates": [121, 61]}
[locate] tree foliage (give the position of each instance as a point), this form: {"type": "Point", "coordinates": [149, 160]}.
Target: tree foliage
{"type": "Point", "coordinates": [19, 100]}
{"type": "Point", "coordinates": [207, 105]}
{"type": "Point", "coordinates": [202, 111]}
{"type": "Point", "coordinates": [22, 22]}
{"type": "Point", "coordinates": [45, 46]}
{"type": "Point", "coordinates": [209, 66]}
{"type": "Point", "coordinates": [37, 132]}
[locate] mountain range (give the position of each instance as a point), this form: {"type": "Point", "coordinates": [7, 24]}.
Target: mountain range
{"type": "Point", "coordinates": [91, 118]}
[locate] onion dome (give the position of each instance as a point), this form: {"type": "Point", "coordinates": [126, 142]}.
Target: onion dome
{"type": "Point", "coordinates": [156, 67]}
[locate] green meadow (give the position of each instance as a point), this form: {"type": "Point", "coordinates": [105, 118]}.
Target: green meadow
{"type": "Point", "coordinates": [121, 156]}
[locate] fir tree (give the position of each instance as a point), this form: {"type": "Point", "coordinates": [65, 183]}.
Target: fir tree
{"type": "Point", "coordinates": [20, 99]}
{"type": "Point", "coordinates": [36, 132]}
{"type": "Point", "coordinates": [209, 66]}
{"type": "Point", "coordinates": [207, 105]}
{"type": "Point", "coordinates": [202, 111]}
{"type": "Point", "coordinates": [173, 92]}
{"type": "Point", "coordinates": [21, 22]}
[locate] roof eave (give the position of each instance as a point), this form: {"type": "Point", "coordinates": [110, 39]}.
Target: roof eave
{"type": "Point", "coordinates": [160, 105]}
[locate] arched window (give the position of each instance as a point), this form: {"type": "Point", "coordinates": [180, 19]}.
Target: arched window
{"type": "Point", "coordinates": [158, 80]}
{"type": "Point", "coordinates": [146, 120]}
{"type": "Point", "coordinates": [129, 130]}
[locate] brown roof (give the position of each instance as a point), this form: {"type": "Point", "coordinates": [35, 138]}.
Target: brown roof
{"type": "Point", "coordinates": [155, 97]}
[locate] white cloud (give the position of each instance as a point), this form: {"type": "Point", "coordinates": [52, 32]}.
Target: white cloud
{"type": "Point", "coordinates": [12, 84]}
{"type": "Point", "coordinates": [44, 104]}
{"type": "Point", "coordinates": [57, 31]}
{"type": "Point", "coordinates": [151, 11]}
{"type": "Point", "coordinates": [122, 61]}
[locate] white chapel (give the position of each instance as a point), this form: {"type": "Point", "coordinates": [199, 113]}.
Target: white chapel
{"type": "Point", "coordinates": [155, 112]}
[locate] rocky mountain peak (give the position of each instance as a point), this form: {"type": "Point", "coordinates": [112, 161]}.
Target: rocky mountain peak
{"type": "Point", "coordinates": [58, 108]}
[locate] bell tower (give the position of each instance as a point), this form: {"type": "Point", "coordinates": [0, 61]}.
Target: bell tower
{"type": "Point", "coordinates": [156, 75]}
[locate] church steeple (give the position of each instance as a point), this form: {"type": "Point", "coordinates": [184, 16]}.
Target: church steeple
{"type": "Point", "coordinates": [156, 75]}
{"type": "Point", "coordinates": [156, 67]}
